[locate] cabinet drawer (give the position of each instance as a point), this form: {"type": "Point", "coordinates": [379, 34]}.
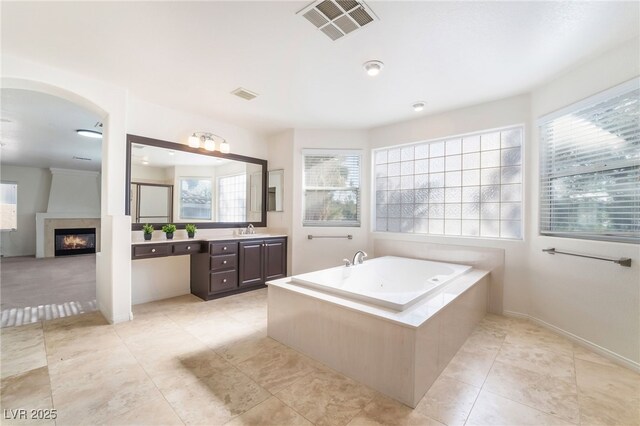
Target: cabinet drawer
{"type": "Point", "coordinates": [151, 250]}
{"type": "Point", "coordinates": [222, 281]}
{"type": "Point", "coordinates": [186, 248]}
{"type": "Point", "coordinates": [218, 263]}
{"type": "Point", "coordinates": [223, 248]}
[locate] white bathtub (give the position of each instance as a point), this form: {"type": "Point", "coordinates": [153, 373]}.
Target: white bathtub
{"type": "Point", "coordinates": [389, 281]}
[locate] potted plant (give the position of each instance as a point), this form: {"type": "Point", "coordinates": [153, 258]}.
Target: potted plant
{"type": "Point", "coordinates": [147, 230]}
{"type": "Point", "coordinates": [191, 230]}
{"type": "Point", "coordinates": [169, 229]}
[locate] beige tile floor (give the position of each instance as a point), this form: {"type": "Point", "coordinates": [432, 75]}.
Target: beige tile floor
{"type": "Point", "coordinates": [184, 361]}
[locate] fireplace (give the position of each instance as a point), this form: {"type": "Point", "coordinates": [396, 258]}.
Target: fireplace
{"type": "Point", "coordinates": [75, 241]}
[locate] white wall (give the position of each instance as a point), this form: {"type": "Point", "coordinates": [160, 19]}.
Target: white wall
{"type": "Point", "coordinates": [594, 300]}
{"type": "Point", "coordinates": [280, 157]}
{"type": "Point", "coordinates": [515, 110]}
{"type": "Point", "coordinates": [33, 195]}
{"type": "Point", "coordinates": [74, 191]}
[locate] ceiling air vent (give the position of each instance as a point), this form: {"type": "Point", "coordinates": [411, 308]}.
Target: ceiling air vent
{"type": "Point", "coordinates": [337, 18]}
{"type": "Point", "coordinates": [244, 93]}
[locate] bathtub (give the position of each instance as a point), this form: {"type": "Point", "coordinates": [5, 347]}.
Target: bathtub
{"type": "Point", "coordinates": [397, 342]}
{"type": "Point", "coordinates": [389, 282]}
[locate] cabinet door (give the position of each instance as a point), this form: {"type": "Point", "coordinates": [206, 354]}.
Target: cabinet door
{"type": "Point", "coordinates": [251, 266]}
{"type": "Point", "coordinates": [275, 259]}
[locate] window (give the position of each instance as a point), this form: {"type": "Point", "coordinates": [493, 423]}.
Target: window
{"type": "Point", "coordinates": [462, 186]}
{"type": "Point", "coordinates": [232, 201]}
{"type": "Point", "coordinates": [331, 188]}
{"type": "Point", "coordinates": [9, 206]}
{"type": "Point", "coordinates": [590, 171]}
{"type": "Point", "coordinates": [195, 198]}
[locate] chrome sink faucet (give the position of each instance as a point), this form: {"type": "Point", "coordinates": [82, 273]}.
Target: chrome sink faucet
{"type": "Point", "coordinates": [250, 229]}
{"type": "Point", "coordinates": [359, 257]}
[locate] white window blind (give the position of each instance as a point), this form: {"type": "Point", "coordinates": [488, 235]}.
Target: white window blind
{"type": "Point", "coordinates": [331, 188]}
{"type": "Point", "coordinates": [590, 170]}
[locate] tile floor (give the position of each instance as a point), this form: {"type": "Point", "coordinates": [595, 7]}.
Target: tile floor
{"type": "Point", "coordinates": [183, 361]}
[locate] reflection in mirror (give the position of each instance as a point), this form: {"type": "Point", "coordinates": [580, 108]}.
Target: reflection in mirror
{"type": "Point", "coordinates": [151, 203]}
{"type": "Point", "coordinates": [208, 188]}
{"type": "Point", "coordinates": [274, 190]}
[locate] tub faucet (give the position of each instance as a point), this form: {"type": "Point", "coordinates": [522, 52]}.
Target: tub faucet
{"type": "Point", "coordinates": [359, 257]}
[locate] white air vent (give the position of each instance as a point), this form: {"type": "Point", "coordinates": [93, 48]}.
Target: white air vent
{"type": "Point", "coordinates": [244, 93]}
{"type": "Point", "coordinates": [337, 18]}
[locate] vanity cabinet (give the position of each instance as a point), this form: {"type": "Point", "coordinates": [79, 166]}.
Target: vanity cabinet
{"type": "Point", "coordinates": [229, 267]}
{"type": "Point", "coordinates": [262, 260]}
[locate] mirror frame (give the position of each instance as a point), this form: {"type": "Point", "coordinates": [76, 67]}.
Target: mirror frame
{"type": "Point", "coordinates": [141, 140]}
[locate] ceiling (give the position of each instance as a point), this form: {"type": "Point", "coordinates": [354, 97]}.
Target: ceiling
{"type": "Point", "coordinates": [39, 130]}
{"type": "Point", "coordinates": [191, 55]}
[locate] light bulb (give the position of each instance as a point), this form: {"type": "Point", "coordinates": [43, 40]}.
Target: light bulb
{"type": "Point", "coordinates": [225, 148]}
{"type": "Point", "coordinates": [418, 106]}
{"type": "Point", "coordinates": [209, 145]}
{"type": "Point", "coordinates": [194, 141]}
{"type": "Point", "coordinates": [373, 68]}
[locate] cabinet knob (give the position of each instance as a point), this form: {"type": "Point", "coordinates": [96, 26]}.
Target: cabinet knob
{"type": "Point", "coordinates": [188, 247]}
{"type": "Point", "coordinates": [224, 248]}
{"type": "Point", "coordinates": [224, 281]}
{"type": "Point", "coordinates": [224, 262]}
{"type": "Point", "coordinates": [153, 250]}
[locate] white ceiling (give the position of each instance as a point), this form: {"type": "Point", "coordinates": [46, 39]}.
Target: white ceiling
{"type": "Point", "coordinates": [190, 55]}
{"type": "Point", "coordinates": [39, 130]}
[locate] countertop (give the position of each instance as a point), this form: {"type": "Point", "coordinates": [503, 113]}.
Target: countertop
{"type": "Point", "coordinates": [203, 239]}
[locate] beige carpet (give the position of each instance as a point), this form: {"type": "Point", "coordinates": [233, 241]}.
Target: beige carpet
{"type": "Point", "coordinates": [36, 289]}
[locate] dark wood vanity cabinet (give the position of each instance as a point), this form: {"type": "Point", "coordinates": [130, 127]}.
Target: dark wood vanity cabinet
{"type": "Point", "coordinates": [234, 266]}
{"type": "Point", "coordinates": [262, 260]}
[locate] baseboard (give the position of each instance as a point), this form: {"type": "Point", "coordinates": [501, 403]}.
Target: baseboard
{"type": "Point", "coordinates": [612, 356]}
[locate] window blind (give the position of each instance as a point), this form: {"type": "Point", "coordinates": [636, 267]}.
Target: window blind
{"type": "Point", "coordinates": [331, 188]}
{"type": "Point", "coordinates": [590, 168]}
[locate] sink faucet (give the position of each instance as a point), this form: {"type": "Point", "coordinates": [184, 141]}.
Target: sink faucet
{"type": "Point", "coordinates": [359, 257]}
{"type": "Point", "coordinates": [251, 229]}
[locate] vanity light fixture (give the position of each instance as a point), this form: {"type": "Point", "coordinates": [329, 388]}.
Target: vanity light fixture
{"type": "Point", "coordinates": [89, 133]}
{"type": "Point", "coordinates": [373, 68]}
{"type": "Point", "coordinates": [207, 141]}
{"type": "Point", "coordinates": [418, 106]}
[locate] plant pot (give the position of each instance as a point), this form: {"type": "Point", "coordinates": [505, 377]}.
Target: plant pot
{"type": "Point", "coordinates": [169, 235]}
{"type": "Point", "coordinates": [147, 237]}
{"type": "Point", "coordinates": [191, 234]}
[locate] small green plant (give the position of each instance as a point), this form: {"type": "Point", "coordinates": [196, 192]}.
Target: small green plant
{"type": "Point", "coordinates": [169, 228]}
{"type": "Point", "coordinates": [147, 228]}
{"type": "Point", "coordinates": [190, 228]}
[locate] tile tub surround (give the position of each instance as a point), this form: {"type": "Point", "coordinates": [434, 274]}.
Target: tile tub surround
{"type": "Point", "coordinates": [90, 372]}
{"type": "Point", "coordinates": [397, 353]}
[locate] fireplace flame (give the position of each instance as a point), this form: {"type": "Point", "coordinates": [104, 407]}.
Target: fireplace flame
{"type": "Point", "coordinates": [74, 242]}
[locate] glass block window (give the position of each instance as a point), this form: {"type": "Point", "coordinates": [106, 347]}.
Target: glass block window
{"type": "Point", "coordinates": [460, 186]}
{"type": "Point", "coordinates": [590, 171]}
{"type": "Point", "coordinates": [331, 184]}
{"type": "Point", "coordinates": [8, 206]}
{"type": "Point", "coordinates": [195, 198]}
{"type": "Point", "coordinates": [232, 198]}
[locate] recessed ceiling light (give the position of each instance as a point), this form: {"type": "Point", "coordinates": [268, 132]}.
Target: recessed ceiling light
{"type": "Point", "coordinates": [418, 106]}
{"type": "Point", "coordinates": [89, 133]}
{"type": "Point", "coordinates": [171, 153]}
{"type": "Point", "coordinates": [373, 68]}
{"type": "Point", "coordinates": [146, 163]}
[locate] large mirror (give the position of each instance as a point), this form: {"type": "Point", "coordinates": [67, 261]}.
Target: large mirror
{"type": "Point", "coordinates": [174, 183]}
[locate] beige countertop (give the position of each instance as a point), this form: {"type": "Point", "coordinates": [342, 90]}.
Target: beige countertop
{"type": "Point", "coordinates": [138, 239]}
